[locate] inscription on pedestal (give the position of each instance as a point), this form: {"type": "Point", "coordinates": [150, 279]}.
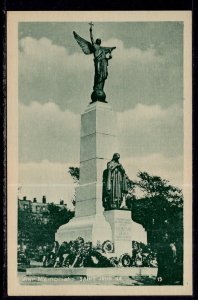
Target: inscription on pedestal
{"type": "Point", "coordinates": [122, 230]}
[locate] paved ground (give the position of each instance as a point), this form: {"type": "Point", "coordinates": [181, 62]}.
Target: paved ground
{"type": "Point", "coordinates": [123, 281]}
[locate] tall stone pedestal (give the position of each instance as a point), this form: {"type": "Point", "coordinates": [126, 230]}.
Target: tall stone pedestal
{"type": "Point", "coordinates": [97, 145]}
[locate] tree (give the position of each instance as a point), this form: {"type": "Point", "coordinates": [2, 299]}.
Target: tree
{"type": "Point", "coordinates": [75, 174]}
{"type": "Point", "coordinates": [39, 229]}
{"type": "Point", "coordinates": [58, 216]}
{"type": "Point", "coordinates": [25, 222]}
{"type": "Point", "coordinates": [155, 186]}
{"type": "Point", "coordinates": [159, 209]}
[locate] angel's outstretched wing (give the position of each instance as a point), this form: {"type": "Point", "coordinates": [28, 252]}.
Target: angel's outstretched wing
{"type": "Point", "coordinates": [85, 45]}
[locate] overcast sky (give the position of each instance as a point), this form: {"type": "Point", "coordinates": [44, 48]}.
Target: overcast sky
{"type": "Point", "coordinates": [145, 87]}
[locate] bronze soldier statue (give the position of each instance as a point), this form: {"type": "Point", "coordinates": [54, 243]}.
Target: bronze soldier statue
{"type": "Point", "coordinates": [101, 57]}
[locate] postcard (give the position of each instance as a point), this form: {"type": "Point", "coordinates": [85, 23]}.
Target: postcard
{"type": "Point", "coordinates": [99, 133]}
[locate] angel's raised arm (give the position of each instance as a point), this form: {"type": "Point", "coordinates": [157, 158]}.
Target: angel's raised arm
{"type": "Point", "coordinates": [91, 35]}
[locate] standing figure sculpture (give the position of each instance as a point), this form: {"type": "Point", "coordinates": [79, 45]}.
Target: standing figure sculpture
{"type": "Point", "coordinates": [115, 184]}
{"type": "Point", "coordinates": [101, 57]}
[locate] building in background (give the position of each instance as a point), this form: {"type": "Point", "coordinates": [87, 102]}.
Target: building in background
{"type": "Point", "coordinates": [39, 220]}
{"type": "Point", "coordinates": [36, 207]}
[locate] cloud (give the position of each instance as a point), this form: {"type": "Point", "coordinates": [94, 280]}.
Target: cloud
{"type": "Point", "coordinates": [145, 86]}
{"type": "Point", "coordinates": [133, 54]}
{"type": "Point", "coordinates": [52, 179]}
{"type": "Point", "coordinates": [142, 115]}
{"type": "Point", "coordinates": [49, 55]}
{"type": "Point", "coordinates": [46, 178]}
{"type": "Point", "coordinates": [169, 168]}
{"type": "Point", "coordinates": [49, 143]}
{"type": "Point", "coordinates": [150, 129]}
{"type": "Point", "coordinates": [48, 71]}
{"type": "Point", "coordinates": [46, 132]}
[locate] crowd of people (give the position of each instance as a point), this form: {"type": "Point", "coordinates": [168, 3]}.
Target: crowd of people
{"type": "Point", "coordinates": [170, 270]}
{"type": "Point", "coordinates": [143, 255]}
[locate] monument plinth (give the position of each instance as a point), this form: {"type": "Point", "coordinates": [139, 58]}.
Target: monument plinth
{"type": "Point", "coordinates": [98, 142]}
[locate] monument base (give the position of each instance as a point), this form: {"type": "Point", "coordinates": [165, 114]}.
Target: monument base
{"type": "Point", "coordinates": [92, 272]}
{"type": "Point", "coordinates": [124, 231]}
{"type": "Point", "coordinates": [114, 225]}
{"type": "Point", "coordinates": [91, 228]}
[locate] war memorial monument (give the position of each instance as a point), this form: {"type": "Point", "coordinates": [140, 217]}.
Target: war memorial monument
{"type": "Point", "coordinates": [100, 211]}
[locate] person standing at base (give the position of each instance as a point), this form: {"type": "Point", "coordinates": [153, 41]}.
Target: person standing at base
{"type": "Point", "coordinates": [166, 258]}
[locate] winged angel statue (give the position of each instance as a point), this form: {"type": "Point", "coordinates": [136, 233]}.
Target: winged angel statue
{"type": "Point", "coordinates": [101, 57]}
